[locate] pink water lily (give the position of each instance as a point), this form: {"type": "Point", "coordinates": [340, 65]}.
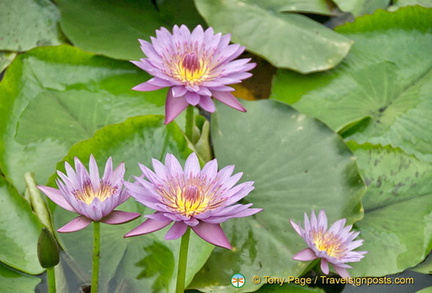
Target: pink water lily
{"type": "Point", "coordinates": [196, 66]}
{"type": "Point", "coordinates": [334, 245]}
{"type": "Point", "coordinates": [190, 197]}
{"type": "Point", "coordinates": [90, 196]}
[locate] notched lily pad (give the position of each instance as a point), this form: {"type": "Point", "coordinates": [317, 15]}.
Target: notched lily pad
{"type": "Point", "coordinates": [389, 86]}
{"type": "Point", "coordinates": [287, 40]}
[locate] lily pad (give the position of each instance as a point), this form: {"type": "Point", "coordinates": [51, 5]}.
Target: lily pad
{"type": "Point", "coordinates": [312, 6]}
{"type": "Point", "coordinates": [378, 94]}
{"type": "Point", "coordinates": [360, 7]}
{"type": "Point", "coordinates": [287, 40]}
{"type": "Point", "coordinates": [425, 267]}
{"type": "Point", "coordinates": [396, 228]}
{"type": "Point", "coordinates": [12, 281]}
{"type": "Point", "coordinates": [144, 263]}
{"type": "Point", "coordinates": [25, 24]}
{"type": "Point", "coordinates": [113, 27]}
{"type": "Point", "coordinates": [298, 165]}
{"type": "Point", "coordinates": [289, 288]}
{"type": "Point", "coordinates": [54, 97]}
{"type": "Point", "coordinates": [401, 3]}
{"type": "Point", "coordinates": [6, 59]}
{"type": "Point", "coordinates": [19, 233]}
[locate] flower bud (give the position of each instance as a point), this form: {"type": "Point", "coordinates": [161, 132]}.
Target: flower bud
{"type": "Point", "coordinates": [48, 250]}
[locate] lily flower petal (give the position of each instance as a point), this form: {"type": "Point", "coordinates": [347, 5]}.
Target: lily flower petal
{"type": "Point", "coordinates": [57, 197]}
{"type": "Point", "coordinates": [213, 234]}
{"type": "Point", "coordinates": [119, 217]}
{"type": "Point", "coordinates": [306, 254]}
{"type": "Point", "coordinates": [148, 226]}
{"type": "Point", "coordinates": [76, 224]}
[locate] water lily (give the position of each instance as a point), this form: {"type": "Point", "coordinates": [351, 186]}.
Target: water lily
{"type": "Point", "coordinates": [334, 245]}
{"type": "Point", "coordinates": [190, 197]}
{"type": "Point", "coordinates": [196, 66]}
{"type": "Point", "coordinates": [90, 196]}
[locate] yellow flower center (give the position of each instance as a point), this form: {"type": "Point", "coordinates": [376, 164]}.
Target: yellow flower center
{"type": "Point", "coordinates": [190, 201]}
{"type": "Point", "coordinates": [88, 194]}
{"type": "Point", "coordinates": [327, 242]}
{"type": "Point", "coordinates": [191, 69]}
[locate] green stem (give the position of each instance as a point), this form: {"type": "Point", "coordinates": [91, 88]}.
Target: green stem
{"type": "Point", "coordinates": [182, 265]}
{"type": "Point", "coordinates": [51, 280]}
{"type": "Point", "coordinates": [189, 122]}
{"type": "Point", "coordinates": [310, 266]}
{"type": "Point", "coordinates": [96, 255]}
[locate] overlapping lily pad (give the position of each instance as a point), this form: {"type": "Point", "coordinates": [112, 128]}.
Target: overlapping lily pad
{"type": "Point", "coordinates": [11, 281]}
{"type": "Point", "coordinates": [19, 233]}
{"type": "Point", "coordinates": [6, 59]}
{"type": "Point", "coordinates": [53, 97]}
{"type": "Point", "coordinates": [381, 93]}
{"type": "Point", "coordinates": [401, 3]}
{"type": "Point", "coordinates": [298, 165]}
{"type": "Point", "coordinates": [397, 225]}
{"type": "Point", "coordinates": [271, 30]}
{"type": "Point", "coordinates": [144, 263]}
{"type": "Point", "coordinates": [360, 7]}
{"type": "Point", "coordinates": [113, 27]}
{"type": "Point", "coordinates": [289, 288]}
{"type": "Point", "coordinates": [25, 24]}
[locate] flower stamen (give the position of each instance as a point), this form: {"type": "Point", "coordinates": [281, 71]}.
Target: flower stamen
{"type": "Point", "coordinates": [190, 201]}
{"type": "Point", "coordinates": [327, 242]}
{"type": "Point", "coordinates": [87, 194]}
{"type": "Point", "coordinates": [191, 70]}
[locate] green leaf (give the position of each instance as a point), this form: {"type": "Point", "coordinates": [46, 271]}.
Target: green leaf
{"type": "Point", "coordinates": [425, 290]}
{"type": "Point", "coordinates": [54, 97]}
{"type": "Point", "coordinates": [397, 228]}
{"type": "Point", "coordinates": [288, 288]}
{"type": "Point", "coordinates": [12, 281]}
{"type": "Point", "coordinates": [425, 267]}
{"type": "Point", "coordinates": [25, 24]}
{"type": "Point", "coordinates": [381, 91]}
{"type": "Point", "coordinates": [360, 7]}
{"type": "Point", "coordinates": [19, 232]}
{"type": "Point", "coordinates": [401, 3]}
{"type": "Point", "coordinates": [144, 263]}
{"type": "Point", "coordinates": [287, 40]}
{"type": "Point", "coordinates": [312, 6]}
{"type": "Point", "coordinates": [6, 59]}
{"type": "Point", "coordinates": [113, 27]}
{"type": "Point", "coordinates": [298, 165]}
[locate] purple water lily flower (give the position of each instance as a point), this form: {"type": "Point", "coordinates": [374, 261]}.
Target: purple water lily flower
{"type": "Point", "coordinates": [334, 246]}
{"type": "Point", "coordinates": [90, 196]}
{"type": "Point", "coordinates": [200, 199]}
{"type": "Point", "coordinates": [196, 66]}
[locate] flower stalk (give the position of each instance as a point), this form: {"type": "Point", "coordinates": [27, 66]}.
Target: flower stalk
{"type": "Point", "coordinates": [190, 121]}
{"type": "Point", "coordinates": [182, 264]}
{"type": "Point", "coordinates": [96, 257]}
{"type": "Point", "coordinates": [51, 280]}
